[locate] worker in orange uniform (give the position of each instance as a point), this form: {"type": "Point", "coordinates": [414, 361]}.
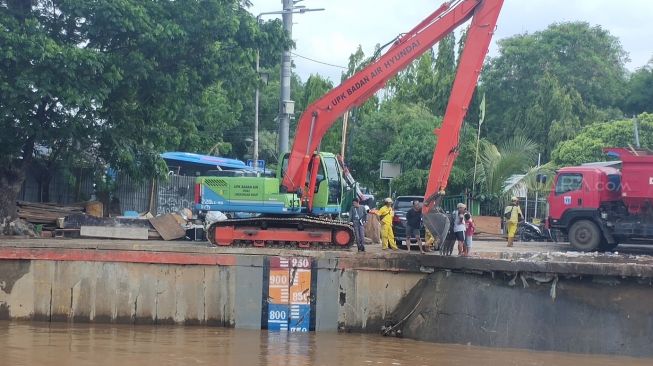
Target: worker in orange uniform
{"type": "Point", "coordinates": [386, 213]}
{"type": "Point", "coordinates": [513, 216]}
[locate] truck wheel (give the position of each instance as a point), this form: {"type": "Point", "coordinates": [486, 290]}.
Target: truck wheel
{"type": "Point", "coordinates": [585, 236]}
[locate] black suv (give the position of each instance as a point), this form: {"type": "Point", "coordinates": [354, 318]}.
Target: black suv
{"type": "Point", "coordinates": [401, 205]}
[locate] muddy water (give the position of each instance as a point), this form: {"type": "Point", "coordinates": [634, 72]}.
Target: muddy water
{"type": "Point", "coordinates": [63, 345]}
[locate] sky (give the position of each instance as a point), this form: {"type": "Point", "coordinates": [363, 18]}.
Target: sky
{"type": "Point", "coordinates": [330, 36]}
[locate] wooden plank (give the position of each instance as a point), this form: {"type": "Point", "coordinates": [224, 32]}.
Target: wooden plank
{"type": "Point", "coordinates": [168, 227]}
{"type": "Point", "coordinates": [114, 232]}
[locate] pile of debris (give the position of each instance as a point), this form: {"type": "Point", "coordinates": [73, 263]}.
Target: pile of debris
{"type": "Point", "coordinates": [170, 226]}
{"type": "Point", "coordinates": [46, 214]}
{"type": "Point", "coordinates": [18, 227]}
{"type": "Point", "coordinates": [86, 219]}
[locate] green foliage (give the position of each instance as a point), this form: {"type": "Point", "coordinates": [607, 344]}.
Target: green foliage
{"type": "Point", "coordinates": [314, 88]}
{"type": "Point", "coordinates": [428, 79]}
{"type": "Point", "coordinates": [399, 132]}
{"type": "Point", "coordinates": [445, 72]}
{"type": "Point", "coordinates": [117, 82]}
{"type": "Point", "coordinates": [411, 183]}
{"type": "Point", "coordinates": [640, 91]}
{"type": "Point", "coordinates": [497, 164]}
{"type": "Point", "coordinates": [548, 84]}
{"type": "Point", "coordinates": [587, 146]}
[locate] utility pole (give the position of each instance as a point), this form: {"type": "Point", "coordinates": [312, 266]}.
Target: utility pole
{"type": "Point", "coordinates": [256, 98]}
{"type": "Point", "coordinates": [286, 105]}
{"type": "Point", "coordinates": [286, 63]}
{"type": "Point", "coordinates": [478, 142]}
{"type": "Point", "coordinates": [636, 127]}
{"type": "Point", "coordinates": [345, 117]}
{"type": "Point", "coordinates": [539, 157]}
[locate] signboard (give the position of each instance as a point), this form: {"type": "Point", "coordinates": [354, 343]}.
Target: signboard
{"type": "Point", "coordinates": [389, 170]}
{"type": "Point", "coordinates": [289, 294]}
{"type": "Point", "coordinates": [261, 164]}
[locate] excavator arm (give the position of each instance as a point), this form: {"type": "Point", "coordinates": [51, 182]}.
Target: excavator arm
{"type": "Point", "coordinates": [320, 115]}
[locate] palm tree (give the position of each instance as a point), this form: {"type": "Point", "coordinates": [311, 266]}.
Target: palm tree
{"type": "Point", "coordinates": [498, 164]}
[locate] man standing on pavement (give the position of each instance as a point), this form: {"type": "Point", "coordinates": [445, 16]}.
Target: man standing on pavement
{"type": "Point", "coordinates": [358, 218]}
{"type": "Point", "coordinates": [413, 224]}
{"type": "Point", "coordinates": [459, 227]}
{"type": "Point", "coordinates": [513, 216]}
{"type": "Point", "coordinates": [386, 213]}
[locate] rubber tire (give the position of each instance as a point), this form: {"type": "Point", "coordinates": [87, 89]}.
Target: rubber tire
{"type": "Point", "coordinates": [585, 236]}
{"type": "Point", "coordinates": [525, 236]}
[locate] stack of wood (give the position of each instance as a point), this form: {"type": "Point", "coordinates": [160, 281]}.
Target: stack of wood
{"type": "Point", "coordinates": [45, 213]}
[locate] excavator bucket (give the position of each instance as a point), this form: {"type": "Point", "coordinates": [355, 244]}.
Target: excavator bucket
{"type": "Point", "coordinates": [438, 224]}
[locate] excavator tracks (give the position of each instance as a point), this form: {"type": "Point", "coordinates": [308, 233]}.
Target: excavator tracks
{"type": "Point", "coordinates": [312, 233]}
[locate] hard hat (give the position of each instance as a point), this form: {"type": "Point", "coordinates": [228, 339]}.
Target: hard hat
{"type": "Point", "coordinates": [387, 200]}
{"type": "Point", "coordinates": [514, 198]}
{"type": "Point", "coordinates": [461, 205]}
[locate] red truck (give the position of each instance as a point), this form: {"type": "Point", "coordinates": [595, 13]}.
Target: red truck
{"type": "Point", "coordinates": [598, 207]}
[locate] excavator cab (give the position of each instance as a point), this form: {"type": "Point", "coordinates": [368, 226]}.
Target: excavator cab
{"type": "Point", "coordinates": [325, 184]}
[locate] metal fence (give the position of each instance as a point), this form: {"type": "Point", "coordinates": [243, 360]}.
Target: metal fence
{"type": "Point", "coordinates": [158, 196]}
{"type": "Point", "coordinates": [449, 203]}
{"type": "Point", "coordinates": [175, 193]}
{"type": "Point", "coordinates": [63, 188]}
{"type": "Point", "coordinates": [527, 207]}
{"type": "Point", "coordinates": [133, 195]}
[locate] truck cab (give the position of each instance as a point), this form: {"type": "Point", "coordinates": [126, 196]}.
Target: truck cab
{"type": "Point", "coordinates": [580, 192]}
{"type": "Point", "coordinates": [599, 207]}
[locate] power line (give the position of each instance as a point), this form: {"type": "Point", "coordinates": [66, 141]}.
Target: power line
{"type": "Point", "coordinates": [319, 62]}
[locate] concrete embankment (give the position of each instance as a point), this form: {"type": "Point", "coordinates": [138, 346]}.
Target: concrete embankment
{"type": "Point", "coordinates": [562, 302]}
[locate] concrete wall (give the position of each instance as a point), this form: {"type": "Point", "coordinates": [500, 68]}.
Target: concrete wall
{"type": "Point", "coordinates": [593, 315]}
{"type": "Point", "coordinates": [590, 314]}
{"type": "Point", "coordinates": [85, 291]}
{"type": "Point", "coordinates": [117, 292]}
{"type": "Point", "coordinates": [357, 299]}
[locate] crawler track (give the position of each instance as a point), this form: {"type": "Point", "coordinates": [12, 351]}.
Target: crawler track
{"type": "Point", "coordinates": [312, 233]}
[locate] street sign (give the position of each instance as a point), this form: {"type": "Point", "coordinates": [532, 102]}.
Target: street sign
{"type": "Point", "coordinates": [389, 170]}
{"type": "Point", "coordinates": [261, 164]}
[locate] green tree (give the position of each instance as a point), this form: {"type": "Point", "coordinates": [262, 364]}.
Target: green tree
{"type": "Point", "coordinates": [567, 76]}
{"type": "Point", "coordinates": [117, 82]}
{"type": "Point", "coordinates": [428, 79]}
{"type": "Point", "coordinates": [49, 88]}
{"type": "Point", "coordinates": [639, 97]}
{"type": "Point", "coordinates": [588, 145]}
{"type": "Point", "coordinates": [498, 163]}
{"type": "Point", "coordinates": [315, 87]}
{"type": "Point", "coordinates": [445, 72]}
{"type": "Point", "coordinates": [411, 182]}
{"type": "Point", "coordinates": [399, 132]}
{"type": "Point", "coordinates": [357, 61]}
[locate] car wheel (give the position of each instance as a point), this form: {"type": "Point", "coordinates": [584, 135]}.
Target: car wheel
{"type": "Point", "coordinates": [585, 236]}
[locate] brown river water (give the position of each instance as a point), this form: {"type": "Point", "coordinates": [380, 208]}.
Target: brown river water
{"type": "Point", "coordinates": [67, 345]}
